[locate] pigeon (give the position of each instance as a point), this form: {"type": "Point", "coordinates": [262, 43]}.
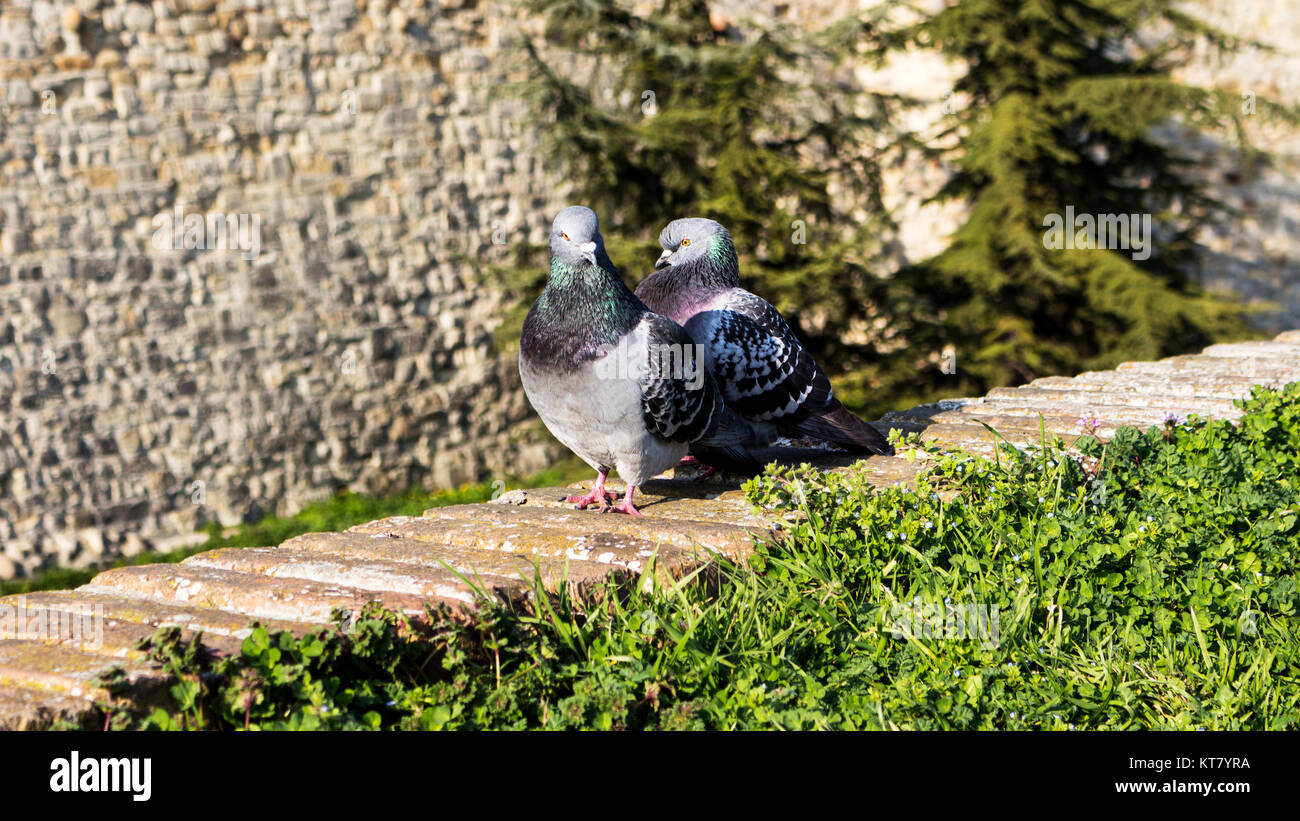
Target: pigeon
{"type": "Point", "coordinates": [622, 387]}
{"type": "Point", "coordinates": [765, 374]}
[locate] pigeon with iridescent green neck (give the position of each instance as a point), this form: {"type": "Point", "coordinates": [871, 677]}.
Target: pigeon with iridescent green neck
{"type": "Point", "coordinates": [764, 373]}
{"type": "Point", "coordinates": [622, 387]}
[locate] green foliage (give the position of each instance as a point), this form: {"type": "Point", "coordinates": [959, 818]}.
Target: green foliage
{"type": "Point", "coordinates": [338, 512]}
{"type": "Point", "coordinates": [342, 678]}
{"type": "Point", "coordinates": [1062, 102]}
{"type": "Point", "coordinates": [1147, 582]}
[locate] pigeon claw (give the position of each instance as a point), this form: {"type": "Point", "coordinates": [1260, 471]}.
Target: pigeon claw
{"type": "Point", "coordinates": [691, 461]}
{"type": "Point", "coordinates": [709, 470]}
{"type": "Point", "coordinates": [603, 496]}
{"type": "Point", "coordinates": [627, 507]}
{"type": "Point", "coordinates": [597, 494]}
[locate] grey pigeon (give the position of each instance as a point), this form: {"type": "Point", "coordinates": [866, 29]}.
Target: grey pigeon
{"type": "Point", "coordinates": [622, 387]}
{"type": "Point", "coordinates": [765, 374]}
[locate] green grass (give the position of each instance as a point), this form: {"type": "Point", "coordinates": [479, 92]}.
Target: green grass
{"type": "Point", "coordinates": [1148, 582]}
{"type": "Point", "coordinates": [338, 512]}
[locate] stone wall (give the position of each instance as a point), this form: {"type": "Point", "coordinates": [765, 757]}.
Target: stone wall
{"type": "Point", "coordinates": [152, 378]}
{"type": "Point", "coordinates": [1255, 257]}
{"type": "Point", "coordinates": [147, 385]}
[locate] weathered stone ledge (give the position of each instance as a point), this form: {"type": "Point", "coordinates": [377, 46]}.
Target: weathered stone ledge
{"type": "Point", "coordinates": [442, 557]}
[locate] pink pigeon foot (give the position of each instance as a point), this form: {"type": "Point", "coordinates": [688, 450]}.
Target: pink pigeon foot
{"type": "Point", "coordinates": [597, 494]}
{"type": "Point", "coordinates": [709, 470]}
{"type": "Point", "coordinates": [626, 505]}
{"type": "Point", "coordinates": [691, 461]}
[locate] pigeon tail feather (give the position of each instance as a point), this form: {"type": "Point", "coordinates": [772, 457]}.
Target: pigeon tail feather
{"type": "Point", "coordinates": [726, 445]}
{"type": "Point", "coordinates": [839, 426]}
{"type": "Point", "coordinates": [734, 458]}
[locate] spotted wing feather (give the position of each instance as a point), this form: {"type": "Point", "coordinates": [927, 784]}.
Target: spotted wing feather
{"type": "Point", "coordinates": [760, 366]}
{"type": "Point", "coordinates": [677, 403]}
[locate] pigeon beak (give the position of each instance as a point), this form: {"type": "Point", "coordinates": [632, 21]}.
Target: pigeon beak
{"type": "Point", "coordinates": [588, 250]}
{"type": "Point", "coordinates": [663, 261]}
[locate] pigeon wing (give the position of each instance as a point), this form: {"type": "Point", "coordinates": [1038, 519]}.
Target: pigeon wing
{"type": "Point", "coordinates": [763, 371]}
{"type": "Point", "coordinates": [678, 400]}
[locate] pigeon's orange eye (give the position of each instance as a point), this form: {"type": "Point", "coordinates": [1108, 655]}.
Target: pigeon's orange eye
{"type": "Point", "coordinates": [566, 236]}
{"type": "Point", "coordinates": [686, 242]}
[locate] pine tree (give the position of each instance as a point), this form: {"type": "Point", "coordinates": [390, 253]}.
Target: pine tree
{"type": "Point", "coordinates": [1062, 100]}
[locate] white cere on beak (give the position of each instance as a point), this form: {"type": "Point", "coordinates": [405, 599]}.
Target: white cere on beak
{"type": "Point", "coordinates": [663, 259]}
{"type": "Point", "coordinates": [588, 250]}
